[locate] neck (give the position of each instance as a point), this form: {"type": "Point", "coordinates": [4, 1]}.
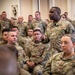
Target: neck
{"type": "Point", "coordinates": [69, 54]}
{"type": "Point", "coordinates": [11, 43]}
{"type": "Point", "coordinates": [57, 20]}
{"type": "Point", "coordinates": [38, 19]}
{"type": "Point", "coordinates": [37, 41]}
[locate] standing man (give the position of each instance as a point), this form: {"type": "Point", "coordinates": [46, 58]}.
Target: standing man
{"type": "Point", "coordinates": [38, 22]}
{"type": "Point", "coordinates": [5, 22]}
{"type": "Point", "coordinates": [30, 23]}
{"type": "Point", "coordinates": [21, 26]}
{"type": "Point", "coordinates": [68, 19]}
{"type": "Point", "coordinates": [57, 29]}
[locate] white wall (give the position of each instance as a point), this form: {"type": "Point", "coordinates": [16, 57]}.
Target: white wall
{"type": "Point", "coordinates": [62, 4]}
{"type": "Point", "coordinates": [5, 5]}
{"type": "Point", "coordinates": [73, 9]}
{"type": "Point", "coordinates": [26, 7]}
{"type": "Point", "coordinates": [44, 9]}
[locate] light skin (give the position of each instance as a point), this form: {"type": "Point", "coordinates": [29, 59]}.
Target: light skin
{"type": "Point", "coordinates": [12, 37]}
{"type": "Point", "coordinates": [4, 15]}
{"type": "Point", "coordinates": [15, 29]}
{"type": "Point", "coordinates": [30, 32]}
{"type": "Point", "coordinates": [37, 37]}
{"type": "Point", "coordinates": [67, 46]}
{"type": "Point", "coordinates": [37, 16]}
{"type": "Point", "coordinates": [30, 18]}
{"type": "Point", "coordinates": [4, 36]}
{"type": "Point", "coordinates": [20, 19]}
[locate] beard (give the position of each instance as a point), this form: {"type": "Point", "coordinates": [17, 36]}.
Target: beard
{"type": "Point", "coordinates": [54, 17]}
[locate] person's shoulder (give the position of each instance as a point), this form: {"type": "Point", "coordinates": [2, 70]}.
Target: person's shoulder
{"type": "Point", "coordinates": [57, 56]}
{"type": "Point", "coordinates": [8, 20]}
{"type": "Point", "coordinates": [24, 72]}
{"type": "Point", "coordinates": [64, 22]}
{"type": "Point", "coordinates": [18, 47]}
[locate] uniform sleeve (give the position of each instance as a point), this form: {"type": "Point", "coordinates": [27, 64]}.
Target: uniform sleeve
{"type": "Point", "coordinates": [28, 53]}
{"type": "Point", "coordinates": [45, 55]}
{"type": "Point", "coordinates": [70, 29]}
{"type": "Point", "coordinates": [47, 69]}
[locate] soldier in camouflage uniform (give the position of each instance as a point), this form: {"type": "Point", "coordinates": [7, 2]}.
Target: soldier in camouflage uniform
{"type": "Point", "coordinates": [38, 22]}
{"type": "Point", "coordinates": [3, 39]}
{"type": "Point", "coordinates": [66, 16]}
{"type": "Point", "coordinates": [21, 26]}
{"type": "Point", "coordinates": [63, 63]}
{"type": "Point", "coordinates": [5, 22]}
{"type": "Point", "coordinates": [73, 22]}
{"type": "Point", "coordinates": [12, 40]}
{"type": "Point", "coordinates": [24, 41]}
{"type": "Point", "coordinates": [36, 54]}
{"type": "Point", "coordinates": [13, 21]}
{"type": "Point", "coordinates": [58, 28]}
{"type": "Point", "coordinates": [30, 23]}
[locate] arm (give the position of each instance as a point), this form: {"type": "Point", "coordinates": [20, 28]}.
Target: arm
{"type": "Point", "coordinates": [45, 53]}
{"type": "Point", "coordinates": [47, 69]}
{"type": "Point", "coordinates": [70, 29]}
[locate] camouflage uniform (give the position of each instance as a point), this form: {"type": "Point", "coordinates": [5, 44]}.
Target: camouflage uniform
{"type": "Point", "coordinates": [24, 41]}
{"type": "Point", "coordinates": [73, 22]}
{"type": "Point", "coordinates": [56, 31]}
{"type": "Point", "coordinates": [3, 42]}
{"type": "Point", "coordinates": [40, 24]}
{"type": "Point", "coordinates": [37, 52]}
{"type": "Point", "coordinates": [22, 28]}
{"type": "Point", "coordinates": [30, 25]}
{"type": "Point", "coordinates": [22, 71]}
{"type": "Point", "coordinates": [21, 54]}
{"type": "Point", "coordinates": [58, 65]}
{"type": "Point", "coordinates": [5, 24]}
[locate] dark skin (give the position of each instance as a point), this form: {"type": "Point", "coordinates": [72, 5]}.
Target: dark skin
{"type": "Point", "coordinates": [54, 15]}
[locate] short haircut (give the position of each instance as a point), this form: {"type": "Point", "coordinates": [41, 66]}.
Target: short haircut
{"type": "Point", "coordinates": [31, 15]}
{"type": "Point", "coordinates": [6, 30]}
{"type": "Point", "coordinates": [37, 29]}
{"type": "Point", "coordinates": [72, 36]}
{"type": "Point", "coordinates": [10, 32]}
{"type": "Point", "coordinates": [14, 27]}
{"type": "Point", "coordinates": [38, 12]}
{"type": "Point", "coordinates": [10, 48]}
{"type": "Point", "coordinates": [3, 12]}
{"type": "Point", "coordinates": [66, 12]}
{"type": "Point", "coordinates": [57, 9]}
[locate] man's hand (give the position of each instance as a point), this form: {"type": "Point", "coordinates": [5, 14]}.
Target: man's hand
{"type": "Point", "coordinates": [31, 64]}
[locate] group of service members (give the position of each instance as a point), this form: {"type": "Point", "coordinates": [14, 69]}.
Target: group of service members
{"type": "Point", "coordinates": [37, 47]}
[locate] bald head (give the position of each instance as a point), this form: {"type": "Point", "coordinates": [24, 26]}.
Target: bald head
{"type": "Point", "coordinates": [20, 19]}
